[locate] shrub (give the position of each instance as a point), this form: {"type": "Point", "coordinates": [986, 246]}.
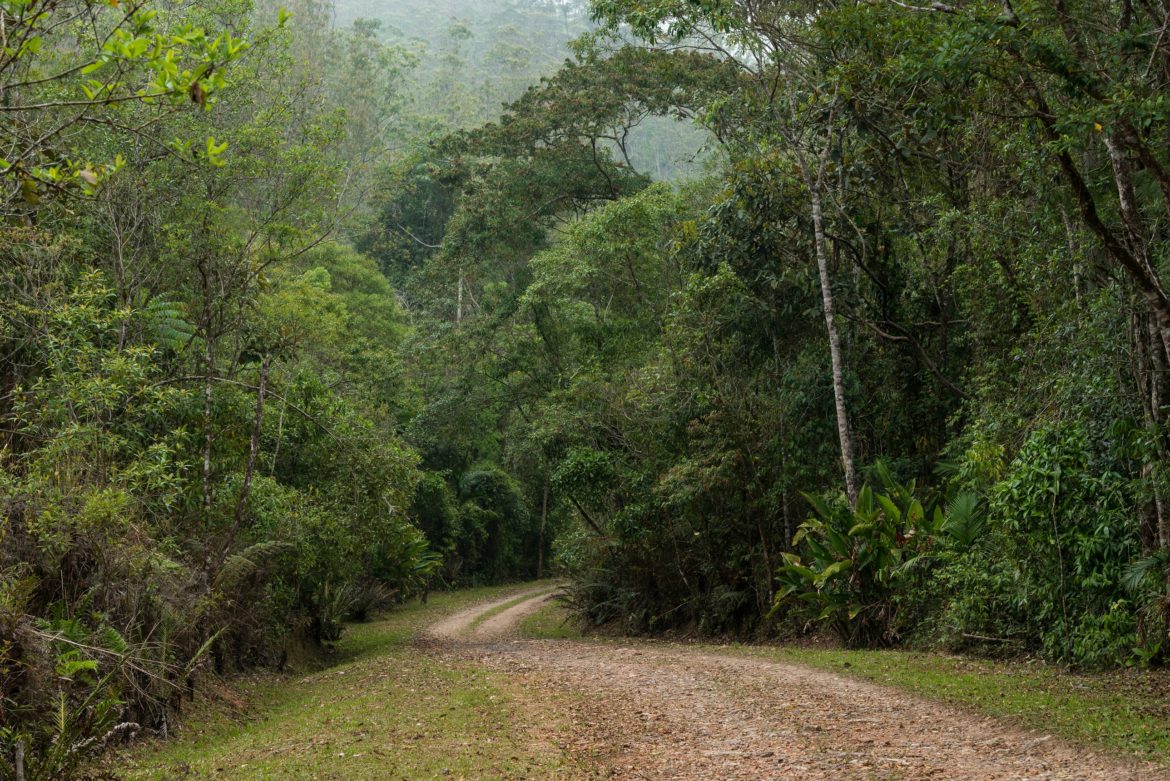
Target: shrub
{"type": "Point", "coordinates": [1048, 576]}
{"type": "Point", "coordinates": [861, 567]}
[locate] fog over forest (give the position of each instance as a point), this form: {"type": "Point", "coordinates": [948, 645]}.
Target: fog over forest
{"type": "Point", "coordinates": [475, 56]}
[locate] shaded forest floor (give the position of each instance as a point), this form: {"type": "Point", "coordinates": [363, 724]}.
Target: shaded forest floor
{"type": "Point", "coordinates": [494, 684]}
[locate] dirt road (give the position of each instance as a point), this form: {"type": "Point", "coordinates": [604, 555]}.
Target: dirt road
{"type": "Point", "coordinates": [660, 712]}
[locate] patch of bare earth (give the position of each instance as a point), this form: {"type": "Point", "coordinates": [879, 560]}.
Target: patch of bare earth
{"type": "Point", "coordinates": [662, 712]}
{"type": "Point", "coordinates": [505, 623]}
{"type": "Point", "coordinates": [457, 626]}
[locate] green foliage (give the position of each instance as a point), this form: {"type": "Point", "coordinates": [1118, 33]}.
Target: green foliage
{"type": "Point", "coordinates": [649, 365]}
{"type": "Point", "coordinates": [105, 59]}
{"type": "Point", "coordinates": [496, 521]}
{"type": "Point", "coordinates": [1049, 574]}
{"type": "Point", "coordinates": [223, 433]}
{"type": "Point", "coordinates": [584, 474]}
{"type": "Point", "coordinates": [1145, 581]}
{"type": "Point", "coordinates": [862, 565]}
{"type": "Point", "coordinates": [201, 465]}
{"type": "Point", "coordinates": [164, 319]}
{"type": "Point", "coordinates": [62, 679]}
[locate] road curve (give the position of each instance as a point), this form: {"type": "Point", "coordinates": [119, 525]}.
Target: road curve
{"type": "Point", "coordinates": [482, 622]}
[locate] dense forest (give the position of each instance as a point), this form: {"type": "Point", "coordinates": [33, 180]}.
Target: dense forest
{"type": "Point", "coordinates": [748, 318]}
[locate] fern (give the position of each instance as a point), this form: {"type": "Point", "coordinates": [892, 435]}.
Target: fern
{"type": "Point", "coordinates": [165, 321]}
{"type": "Point", "coordinates": [240, 565]}
{"type": "Point", "coordinates": [112, 639]}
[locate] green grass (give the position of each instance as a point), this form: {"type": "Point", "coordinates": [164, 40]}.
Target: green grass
{"type": "Point", "coordinates": [1126, 711]}
{"type": "Point", "coordinates": [385, 711]}
{"type": "Point", "coordinates": [552, 622]}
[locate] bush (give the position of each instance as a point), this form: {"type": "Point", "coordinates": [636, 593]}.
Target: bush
{"type": "Point", "coordinates": [1048, 576]}
{"type": "Point", "coordinates": [116, 584]}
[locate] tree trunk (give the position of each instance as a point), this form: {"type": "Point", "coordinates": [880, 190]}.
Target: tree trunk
{"type": "Point", "coordinates": [543, 524]}
{"type": "Point", "coordinates": [1157, 354]}
{"type": "Point", "coordinates": [249, 470]}
{"type": "Point", "coordinates": [844, 434]}
{"type": "Point", "coordinates": [279, 435]}
{"type": "Point", "coordinates": [787, 515]}
{"type": "Point", "coordinates": [1156, 370]}
{"type": "Point", "coordinates": [254, 445]}
{"type": "Point", "coordinates": [208, 433]}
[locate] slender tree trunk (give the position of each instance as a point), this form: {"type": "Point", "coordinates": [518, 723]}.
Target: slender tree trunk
{"type": "Point", "coordinates": [588, 518]}
{"type": "Point", "coordinates": [1135, 226]}
{"type": "Point", "coordinates": [788, 531]}
{"type": "Point", "coordinates": [279, 435]}
{"type": "Point", "coordinates": [769, 570]}
{"type": "Point", "coordinates": [459, 301]}
{"type": "Point", "coordinates": [844, 434]}
{"type": "Point", "coordinates": [208, 434]}
{"type": "Point", "coordinates": [543, 525]}
{"type": "Point", "coordinates": [1158, 373]}
{"type": "Point", "coordinates": [254, 445]}
{"type": "Point", "coordinates": [815, 182]}
{"type": "Point", "coordinates": [250, 469]}
{"type": "Point", "coordinates": [1142, 367]}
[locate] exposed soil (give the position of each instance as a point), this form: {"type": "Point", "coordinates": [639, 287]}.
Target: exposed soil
{"type": "Point", "coordinates": [505, 623]}
{"type": "Point", "coordinates": [660, 712]}
{"type": "Point", "coordinates": [469, 624]}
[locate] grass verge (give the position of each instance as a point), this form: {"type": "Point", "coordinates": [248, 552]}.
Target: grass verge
{"type": "Point", "coordinates": [385, 711]}
{"type": "Point", "coordinates": [553, 621]}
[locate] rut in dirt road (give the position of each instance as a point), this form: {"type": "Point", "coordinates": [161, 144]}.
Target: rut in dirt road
{"type": "Point", "coordinates": [480, 622]}
{"type": "Point", "coordinates": [654, 712]}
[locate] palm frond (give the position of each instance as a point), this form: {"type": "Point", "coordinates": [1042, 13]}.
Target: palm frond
{"type": "Point", "coordinates": [1147, 574]}
{"type": "Point", "coordinates": [965, 520]}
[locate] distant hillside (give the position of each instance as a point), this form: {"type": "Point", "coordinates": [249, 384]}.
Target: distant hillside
{"type": "Point", "coordinates": [491, 49]}
{"type": "Point", "coordinates": [477, 55]}
{"type": "Point", "coordinates": [427, 19]}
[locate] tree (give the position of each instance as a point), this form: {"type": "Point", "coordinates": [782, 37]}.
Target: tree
{"type": "Point", "coordinates": [73, 70]}
{"type": "Point", "coordinates": [199, 396]}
